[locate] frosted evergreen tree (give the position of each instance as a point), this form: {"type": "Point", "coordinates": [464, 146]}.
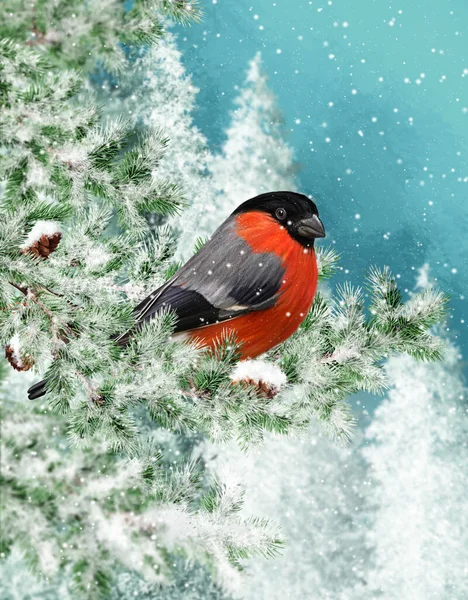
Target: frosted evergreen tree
{"type": "Point", "coordinates": [158, 93]}
{"type": "Point", "coordinates": [315, 489]}
{"type": "Point", "coordinates": [417, 454]}
{"type": "Point", "coordinates": [255, 158]}
{"type": "Point", "coordinates": [65, 175]}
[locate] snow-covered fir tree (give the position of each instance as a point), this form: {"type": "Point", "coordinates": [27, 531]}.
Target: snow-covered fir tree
{"type": "Point", "coordinates": [157, 92]}
{"type": "Point", "coordinates": [315, 489]}
{"type": "Point", "coordinates": [64, 175]}
{"type": "Point", "coordinates": [255, 158]}
{"type": "Point", "coordinates": [418, 454]}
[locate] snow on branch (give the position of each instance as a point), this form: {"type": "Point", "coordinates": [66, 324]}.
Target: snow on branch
{"type": "Point", "coordinates": [47, 228]}
{"type": "Point", "coordinates": [103, 508]}
{"type": "Point", "coordinates": [67, 32]}
{"type": "Point", "coordinates": [338, 350]}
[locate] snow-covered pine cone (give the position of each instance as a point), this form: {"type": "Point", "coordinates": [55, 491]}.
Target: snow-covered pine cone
{"type": "Point", "coordinates": [17, 360]}
{"type": "Point", "coordinates": [264, 388]}
{"type": "Point", "coordinates": [265, 376]}
{"type": "Point", "coordinates": [43, 239]}
{"type": "Point", "coordinates": [45, 245]}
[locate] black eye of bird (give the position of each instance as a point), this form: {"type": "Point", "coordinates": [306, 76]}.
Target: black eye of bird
{"type": "Point", "coordinates": [280, 214]}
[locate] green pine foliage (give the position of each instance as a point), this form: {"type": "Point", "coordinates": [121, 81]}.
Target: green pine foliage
{"type": "Point", "coordinates": [340, 347]}
{"type": "Point", "coordinates": [80, 35]}
{"type": "Point", "coordinates": [85, 512]}
{"type": "Point", "coordinates": [56, 150]}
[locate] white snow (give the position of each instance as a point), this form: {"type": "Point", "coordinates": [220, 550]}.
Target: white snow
{"type": "Point", "coordinates": [259, 370]}
{"type": "Point", "coordinates": [96, 257]}
{"type": "Point", "coordinates": [15, 346]}
{"type": "Point", "coordinates": [417, 455]}
{"type": "Point", "coordinates": [423, 278]}
{"type": "Point", "coordinates": [41, 228]}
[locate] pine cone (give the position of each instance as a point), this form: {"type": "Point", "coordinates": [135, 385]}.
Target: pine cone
{"type": "Point", "coordinates": [18, 362]}
{"type": "Point", "coordinates": [44, 246]}
{"type": "Point", "coordinates": [264, 388]}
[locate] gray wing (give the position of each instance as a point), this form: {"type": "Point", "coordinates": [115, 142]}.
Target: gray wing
{"type": "Point", "coordinates": [230, 276]}
{"type": "Point", "coordinates": [224, 280]}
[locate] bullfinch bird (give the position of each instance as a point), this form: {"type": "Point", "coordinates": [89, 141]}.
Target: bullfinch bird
{"type": "Point", "coordinates": [256, 277]}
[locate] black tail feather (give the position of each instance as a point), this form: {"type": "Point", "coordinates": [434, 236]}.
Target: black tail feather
{"type": "Point", "coordinates": [123, 339]}
{"type": "Point", "coordinates": [37, 390]}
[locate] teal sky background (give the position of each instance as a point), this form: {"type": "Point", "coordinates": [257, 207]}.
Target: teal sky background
{"type": "Point", "coordinates": [374, 97]}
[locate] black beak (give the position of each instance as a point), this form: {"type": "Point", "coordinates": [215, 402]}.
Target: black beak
{"type": "Point", "coordinates": [311, 228]}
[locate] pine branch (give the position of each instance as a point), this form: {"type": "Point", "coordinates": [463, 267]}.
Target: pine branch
{"type": "Point", "coordinates": [117, 508]}
{"type": "Point", "coordinates": [337, 351]}
{"type": "Point", "coordinates": [82, 35]}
